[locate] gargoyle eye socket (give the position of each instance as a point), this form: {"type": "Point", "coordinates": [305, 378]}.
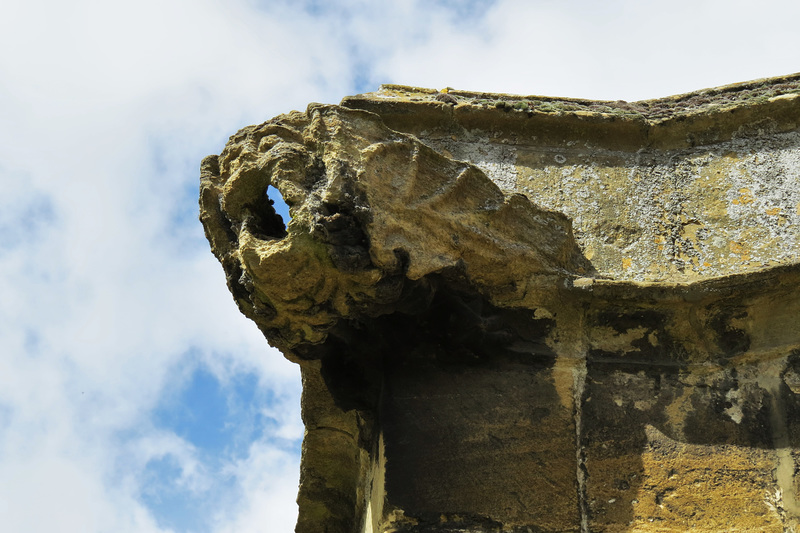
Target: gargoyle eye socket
{"type": "Point", "coordinates": [278, 203]}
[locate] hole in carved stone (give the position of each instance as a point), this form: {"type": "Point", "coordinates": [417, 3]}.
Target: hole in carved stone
{"type": "Point", "coordinates": [280, 206]}
{"type": "Point", "coordinates": [265, 217]}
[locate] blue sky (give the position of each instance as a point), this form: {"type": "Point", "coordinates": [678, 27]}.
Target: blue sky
{"type": "Point", "coordinates": [133, 395]}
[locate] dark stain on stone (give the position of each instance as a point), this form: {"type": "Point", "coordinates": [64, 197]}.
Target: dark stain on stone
{"type": "Point", "coordinates": [623, 319]}
{"type": "Point", "coordinates": [262, 221]}
{"type": "Point", "coordinates": [348, 245]}
{"type": "Point", "coordinates": [791, 399]}
{"type": "Point", "coordinates": [731, 340]}
{"type": "Point", "coordinates": [708, 422]}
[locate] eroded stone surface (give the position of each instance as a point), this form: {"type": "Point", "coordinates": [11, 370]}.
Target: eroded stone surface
{"type": "Point", "coordinates": [526, 313]}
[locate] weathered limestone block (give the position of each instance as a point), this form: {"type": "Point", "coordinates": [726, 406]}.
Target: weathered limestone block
{"type": "Point", "coordinates": [530, 314]}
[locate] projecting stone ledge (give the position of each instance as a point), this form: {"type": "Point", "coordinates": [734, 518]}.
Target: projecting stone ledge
{"type": "Point", "coordinates": [530, 314]}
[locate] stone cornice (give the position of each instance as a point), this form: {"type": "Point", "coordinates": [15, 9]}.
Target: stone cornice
{"type": "Point", "coordinates": [518, 313]}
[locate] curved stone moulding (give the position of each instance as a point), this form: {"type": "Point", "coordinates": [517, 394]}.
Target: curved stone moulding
{"type": "Point", "coordinates": [522, 313]}
{"type": "Point", "coordinates": [371, 208]}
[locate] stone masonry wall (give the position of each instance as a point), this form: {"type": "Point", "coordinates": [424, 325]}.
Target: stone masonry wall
{"type": "Point", "coordinates": [530, 314]}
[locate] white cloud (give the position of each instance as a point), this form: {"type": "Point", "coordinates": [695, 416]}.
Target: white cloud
{"type": "Point", "coordinates": [266, 505]}
{"type": "Point", "coordinates": [621, 49]}
{"type": "Point", "coordinates": [49, 492]}
{"type": "Point", "coordinates": [109, 292]}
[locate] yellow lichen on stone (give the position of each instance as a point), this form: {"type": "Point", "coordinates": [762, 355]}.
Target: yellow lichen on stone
{"type": "Point", "coordinates": [689, 487]}
{"type": "Point", "coordinates": [745, 197]}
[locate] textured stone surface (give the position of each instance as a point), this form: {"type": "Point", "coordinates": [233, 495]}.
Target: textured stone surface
{"type": "Point", "coordinates": [526, 313]}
